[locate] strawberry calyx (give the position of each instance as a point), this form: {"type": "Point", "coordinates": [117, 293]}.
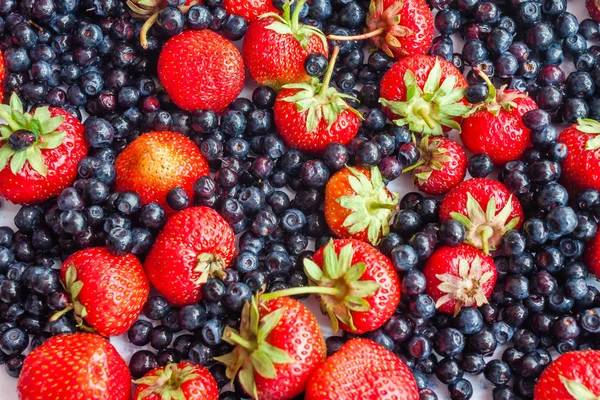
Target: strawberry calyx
{"type": "Point", "coordinates": [338, 285]}
{"type": "Point", "coordinates": [486, 229]}
{"type": "Point", "coordinates": [289, 24]}
{"type": "Point", "coordinates": [319, 100]}
{"type": "Point", "coordinates": [384, 28]}
{"type": "Point", "coordinates": [371, 206]}
{"type": "Point", "coordinates": [498, 99]}
{"type": "Point", "coordinates": [166, 383]}
{"type": "Point", "coordinates": [252, 353]}
{"type": "Point", "coordinates": [149, 10]}
{"type": "Point", "coordinates": [73, 287]}
{"type": "Point", "coordinates": [578, 390]}
{"type": "Point", "coordinates": [433, 158]}
{"type": "Point", "coordinates": [208, 265]}
{"type": "Point", "coordinates": [427, 110]}
{"type": "Point", "coordinates": [466, 288]}
{"type": "Point", "coordinates": [591, 127]}
{"type": "Point", "coordinates": [24, 136]}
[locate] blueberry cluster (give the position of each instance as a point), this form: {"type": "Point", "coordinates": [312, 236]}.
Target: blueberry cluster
{"type": "Point", "coordinates": [523, 43]}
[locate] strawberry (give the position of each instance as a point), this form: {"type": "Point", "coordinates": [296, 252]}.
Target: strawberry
{"type": "Point", "coordinates": [74, 366]}
{"type": "Point", "coordinates": [39, 152]}
{"type": "Point", "coordinates": [495, 126]}
{"type": "Point", "coordinates": [357, 285]}
{"type": "Point", "coordinates": [157, 162]}
{"type": "Point", "coordinates": [572, 376]}
{"type": "Point", "coordinates": [442, 166]}
{"type": "Point", "coordinates": [278, 345]}
{"type": "Point", "coordinates": [592, 255]}
{"type": "Point", "coordinates": [309, 116]}
{"type": "Point", "coordinates": [459, 277]}
{"type": "Point", "coordinates": [362, 369]}
{"type": "Point", "coordinates": [426, 93]}
{"type": "Point", "coordinates": [149, 10]}
{"type": "Point", "coordinates": [2, 76]}
{"type": "Point", "coordinates": [184, 381]}
{"type": "Point", "coordinates": [194, 244]}
{"type": "Point", "coordinates": [358, 205]}
{"type": "Point", "coordinates": [593, 7]}
{"type": "Point", "coordinates": [201, 70]}
{"type": "Point", "coordinates": [107, 292]}
{"type": "Point", "coordinates": [249, 9]}
{"type": "Point", "coordinates": [398, 27]}
{"type": "Point", "coordinates": [581, 168]}
{"type": "Point", "coordinates": [466, 204]}
{"type": "Point", "coordinates": [276, 46]}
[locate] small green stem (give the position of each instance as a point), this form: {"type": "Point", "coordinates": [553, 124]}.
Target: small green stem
{"type": "Point", "coordinates": [329, 73]}
{"type": "Point", "coordinates": [301, 290]}
{"type": "Point", "coordinates": [60, 313]}
{"type": "Point", "coordinates": [491, 99]}
{"type": "Point", "coordinates": [486, 234]}
{"type": "Point", "coordinates": [364, 36]}
{"type": "Point", "coordinates": [427, 118]}
{"type": "Point", "coordinates": [415, 165]}
{"type": "Point", "coordinates": [145, 28]}
{"type": "Point", "coordinates": [234, 337]}
{"type": "Point", "coordinates": [296, 15]}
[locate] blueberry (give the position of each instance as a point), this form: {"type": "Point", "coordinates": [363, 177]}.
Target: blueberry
{"type": "Point", "coordinates": [192, 317]}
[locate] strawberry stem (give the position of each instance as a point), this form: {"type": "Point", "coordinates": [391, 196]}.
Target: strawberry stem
{"type": "Point", "coordinates": [491, 88]}
{"type": "Point", "coordinates": [234, 337]}
{"type": "Point", "coordinates": [301, 290]}
{"type": "Point", "coordinates": [486, 234]}
{"type": "Point", "coordinates": [296, 15]}
{"type": "Point", "coordinates": [428, 120]}
{"type": "Point", "coordinates": [364, 36]}
{"type": "Point", "coordinates": [329, 73]}
{"type": "Point", "coordinates": [145, 28]}
{"type": "Point", "coordinates": [415, 165]}
{"type": "Point", "coordinates": [60, 313]}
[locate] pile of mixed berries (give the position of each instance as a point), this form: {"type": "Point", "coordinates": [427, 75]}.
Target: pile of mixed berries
{"type": "Point", "coordinates": [158, 204]}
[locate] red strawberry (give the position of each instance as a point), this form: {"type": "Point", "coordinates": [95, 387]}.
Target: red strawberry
{"type": "Point", "coordinates": [358, 205]}
{"type": "Point", "coordinates": [357, 285]}
{"type": "Point", "coordinates": [442, 166]}
{"type": "Point", "coordinates": [75, 366]}
{"type": "Point", "coordinates": [495, 126]}
{"type": "Point", "coordinates": [572, 376]}
{"type": "Point", "coordinates": [592, 255]}
{"type": "Point", "coordinates": [309, 116]}
{"type": "Point", "coordinates": [39, 152]}
{"type": "Point", "coordinates": [2, 76]}
{"type": "Point", "coordinates": [398, 27]}
{"type": "Point", "coordinates": [426, 93]}
{"type": "Point", "coordinates": [149, 10]}
{"type": "Point", "coordinates": [279, 344]}
{"type": "Point", "coordinates": [275, 47]}
{"type": "Point", "coordinates": [194, 244]}
{"type": "Point", "coordinates": [593, 7]}
{"type": "Point", "coordinates": [487, 210]}
{"type": "Point", "coordinates": [185, 381]}
{"type": "Point", "coordinates": [157, 162]}
{"type": "Point", "coordinates": [459, 277]}
{"type": "Point", "coordinates": [362, 369]}
{"type": "Point", "coordinates": [581, 169]}
{"type": "Point", "coordinates": [249, 9]}
{"type": "Point", "coordinates": [107, 292]}
{"type": "Point", "coordinates": [201, 70]}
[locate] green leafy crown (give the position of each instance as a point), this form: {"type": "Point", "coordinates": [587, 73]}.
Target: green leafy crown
{"type": "Point", "coordinates": [166, 383]}
{"type": "Point", "coordinates": [73, 287]}
{"type": "Point", "coordinates": [427, 110]}
{"type": "Point", "coordinates": [41, 124]}
{"type": "Point", "coordinates": [591, 127]}
{"type": "Point", "coordinates": [497, 99]}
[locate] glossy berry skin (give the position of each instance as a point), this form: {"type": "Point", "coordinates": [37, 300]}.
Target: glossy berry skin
{"type": "Point", "coordinates": [200, 69]}
{"type": "Point", "coordinates": [291, 125]}
{"type": "Point", "coordinates": [592, 255]}
{"type": "Point", "coordinates": [2, 76]}
{"type": "Point", "coordinates": [249, 9]}
{"type": "Point", "coordinates": [173, 265]}
{"type": "Point", "coordinates": [435, 181]}
{"type": "Point", "coordinates": [157, 162]}
{"type": "Point", "coordinates": [446, 260]}
{"type": "Point", "coordinates": [114, 290]}
{"type": "Point", "coordinates": [29, 187]}
{"type": "Point", "coordinates": [362, 369]}
{"type": "Point", "coordinates": [274, 59]}
{"type": "Point", "coordinates": [79, 365]}
{"type": "Point", "coordinates": [593, 7]}
{"type": "Point", "coordinates": [414, 15]}
{"type": "Point", "coordinates": [201, 387]}
{"type": "Point", "coordinates": [503, 136]}
{"type": "Point", "coordinates": [570, 371]}
{"type": "Point", "coordinates": [380, 270]}
{"type": "Point", "coordinates": [580, 170]}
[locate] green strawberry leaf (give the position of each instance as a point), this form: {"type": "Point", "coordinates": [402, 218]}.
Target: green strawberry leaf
{"type": "Point", "coordinates": [50, 125]}
{"type": "Point", "coordinates": [15, 103]}
{"type": "Point", "coordinates": [36, 160]}
{"type": "Point", "coordinates": [17, 162]}
{"type": "Point", "coordinates": [6, 152]}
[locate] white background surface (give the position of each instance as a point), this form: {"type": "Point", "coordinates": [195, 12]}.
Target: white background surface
{"type": "Point", "coordinates": [482, 388]}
